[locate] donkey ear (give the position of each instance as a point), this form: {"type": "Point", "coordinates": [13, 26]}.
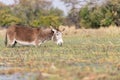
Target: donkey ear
{"type": "Point", "coordinates": [53, 30]}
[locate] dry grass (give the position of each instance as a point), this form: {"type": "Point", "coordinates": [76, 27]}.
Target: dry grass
{"type": "Point", "coordinates": [2, 32]}
{"type": "Point", "coordinates": [112, 30]}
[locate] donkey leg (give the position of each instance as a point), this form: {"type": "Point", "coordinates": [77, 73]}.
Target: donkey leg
{"type": "Point", "coordinates": [37, 43]}
{"type": "Point", "coordinates": [11, 41]}
{"type": "Point", "coordinates": [14, 44]}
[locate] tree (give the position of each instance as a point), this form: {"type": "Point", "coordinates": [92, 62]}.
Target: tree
{"type": "Point", "coordinates": [73, 15]}
{"type": "Point", "coordinates": [31, 12]}
{"type": "Point", "coordinates": [75, 6]}
{"type": "Point", "coordinates": [7, 18]}
{"type": "Point", "coordinates": [114, 8]}
{"type": "Point", "coordinates": [84, 16]}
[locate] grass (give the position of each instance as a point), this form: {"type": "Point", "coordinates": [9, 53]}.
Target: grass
{"type": "Point", "coordinates": [86, 55]}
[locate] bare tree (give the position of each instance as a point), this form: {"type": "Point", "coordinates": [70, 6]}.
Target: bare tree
{"type": "Point", "coordinates": [73, 16]}
{"type": "Point", "coordinates": [75, 5]}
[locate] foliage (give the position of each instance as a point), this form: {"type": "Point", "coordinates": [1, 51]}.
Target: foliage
{"type": "Point", "coordinates": [84, 15]}
{"type": "Point", "coordinates": [107, 19]}
{"type": "Point", "coordinates": [7, 18]}
{"type": "Point", "coordinates": [50, 20]}
{"type": "Point", "coordinates": [99, 15]}
{"type": "Point", "coordinates": [32, 13]}
{"type": "Point", "coordinates": [94, 13]}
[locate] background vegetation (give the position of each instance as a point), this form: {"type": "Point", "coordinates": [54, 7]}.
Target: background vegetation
{"type": "Point", "coordinates": [33, 13]}
{"type": "Point", "coordinates": [86, 13]}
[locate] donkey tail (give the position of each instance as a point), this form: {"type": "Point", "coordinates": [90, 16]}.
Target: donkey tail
{"type": "Point", "coordinates": [6, 39]}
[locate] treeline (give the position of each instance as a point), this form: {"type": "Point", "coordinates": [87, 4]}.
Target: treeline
{"type": "Point", "coordinates": [33, 13]}
{"type": "Point", "coordinates": [36, 13]}
{"type": "Point", "coordinates": [100, 15]}
{"type": "Point", "coordinates": [95, 13]}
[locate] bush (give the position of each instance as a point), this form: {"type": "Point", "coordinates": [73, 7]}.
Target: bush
{"type": "Point", "coordinates": [7, 18]}
{"type": "Point", "coordinates": [50, 20]}
{"type": "Point", "coordinates": [31, 13]}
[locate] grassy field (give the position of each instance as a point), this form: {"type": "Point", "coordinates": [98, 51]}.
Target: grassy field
{"type": "Point", "coordinates": [87, 54]}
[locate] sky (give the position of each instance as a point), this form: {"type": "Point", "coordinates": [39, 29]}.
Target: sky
{"type": "Point", "coordinates": [7, 1]}
{"type": "Point", "coordinates": [56, 3]}
{"type": "Point", "coordinates": [60, 5]}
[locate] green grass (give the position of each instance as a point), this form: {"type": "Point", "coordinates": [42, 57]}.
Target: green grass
{"type": "Point", "coordinates": [80, 58]}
